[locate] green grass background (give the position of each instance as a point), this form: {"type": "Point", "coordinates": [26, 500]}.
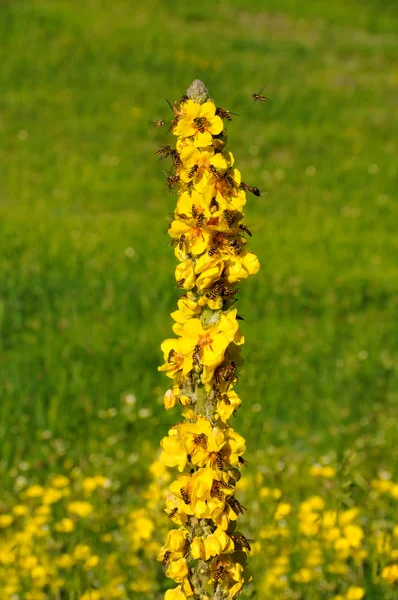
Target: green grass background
{"type": "Point", "coordinates": [82, 318]}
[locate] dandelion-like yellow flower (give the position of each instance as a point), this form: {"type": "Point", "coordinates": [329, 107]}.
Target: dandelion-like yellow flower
{"type": "Point", "coordinates": [206, 556]}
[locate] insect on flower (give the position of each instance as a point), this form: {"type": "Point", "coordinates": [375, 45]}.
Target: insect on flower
{"type": "Point", "coordinates": [173, 513]}
{"type": "Point", "coordinates": [172, 181]}
{"type": "Point", "coordinates": [214, 171]}
{"type": "Point", "coordinates": [196, 355]}
{"type": "Point", "coordinates": [182, 241]}
{"type": "Point", "coordinates": [200, 123]}
{"type": "Point", "coordinates": [200, 221]}
{"type": "Point", "coordinates": [185, 495]}
{"type": "Point", "coordinates": [200, 440]}
{"type": "Point", "coordinates": [192, 171]}
{"type": "Point", "coordinates": [166, 558]}
{"type": "Point", "coordinates": [236, 246]}
{"type": "Point", "coordinates": [229, 217]}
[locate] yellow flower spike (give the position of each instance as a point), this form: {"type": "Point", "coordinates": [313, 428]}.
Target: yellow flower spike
{"type": "Point", "coordinates": [210, 244]}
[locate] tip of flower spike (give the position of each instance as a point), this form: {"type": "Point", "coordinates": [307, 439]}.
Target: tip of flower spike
{"type": "Point", "coordinates": [197, 92]}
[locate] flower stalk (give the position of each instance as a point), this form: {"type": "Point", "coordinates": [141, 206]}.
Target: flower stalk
{"type": "Point", "coordinates": [206, 555]}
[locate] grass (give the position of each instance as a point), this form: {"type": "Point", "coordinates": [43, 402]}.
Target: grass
{"type": "Point", "coordinates": [86, 277]}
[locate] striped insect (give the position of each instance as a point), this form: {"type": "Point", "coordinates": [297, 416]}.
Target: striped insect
{"type": "Point", "coordinates": [245, 229]}
{"type": "Point", "coordinates": [249, 188]}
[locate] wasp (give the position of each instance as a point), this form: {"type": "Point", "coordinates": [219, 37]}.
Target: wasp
{"type": "Point", "coordinates": [192, 171]}
{"type": "Point", "coordinates": [173, 512]}
{"type": "Point", "coordinates": [171, 355]}
{"type": "Point", "coordinates": [200, 221]}
{"type": "Point", "coordinates": [245, 229]}
{"type": "Point", "coordinates": [181, 282]}
{"type": "Point", "coordinates": [166, 558]}
{"type": "Point", "coordinates": [236, 246]}
{"type": "Point", "coordinates": [200, 123]}
{"type": "Point", "coordinates": [185, 495]}
{"type": "Point", "coordinates": [249, 188]}
{"type": "Point", "coordinates": [159, 123]}
{"type": "Point", "coordinates": [196, 355]}
{"type": "Point", "coordinates": [172, 181]}
{"type": "Point", "coordinates": [216, 174]}
{"type": "Point", "coordinates": [182, 241]}
{"type": "Point", "coordinates": [214, 292]}
{"type": "Point", "coordinates": [200, 440]}
{"type": "Point", "coordinates": [229, 217]}
{"type": "Point", "coordinates": [216, 490]}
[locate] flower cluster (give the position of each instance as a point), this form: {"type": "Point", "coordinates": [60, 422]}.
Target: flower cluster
{"type": "Point", "coordinates": [206, 555]}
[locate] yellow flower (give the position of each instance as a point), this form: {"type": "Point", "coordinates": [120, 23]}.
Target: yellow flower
{"type": "Point", "coordinates": [175, 594]}
{"type": "Point", "coordinates": [303, 576]}
{"type": "Point", "coordinates": [51, 496]}
{"type": "Point", "coordinates": [355, 593]}
{"type": "Point", "coordinates": [282, 511]}
{"type": "Point", "coordinates": [34, 491]}
{"type": "Point", "coordinates": [80, 509]}
{"type": "Point", "coordinates": [185, 274]}
{"type": "Point", "coordinates": [6, 521]}
{"type": "Point", "coordinates": [390, 573]}
{"type": "Point", "coordinates": [178, 569]}
{"type": "Point", "coordinates": [200, 122]}
{"type": "Point", "coordinates": [60, 481]}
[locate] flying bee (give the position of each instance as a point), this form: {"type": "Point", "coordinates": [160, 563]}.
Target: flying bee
{"type": "Point", "coordinates": [192, 171]}
{"type": "Point", "coordinates": [229, 217]}
{"type": "Point", "coordinates": [172, 181]}
{"type": "Point", "coordinates": [216, 490]}
{"type": "Point", "coordinates": [227, 293]}
{"type": "Point", "coordinates": [236, 246]}
{"type": "Point", "coordinates": [173, 512]}
{"type": "Point", "coordinates": [249, 188]}
{"type": "Point", "coordinates": [185, 495]}
{"type": "Point", "coordinates": [159, 123]}
{"type": "Point", "coordinates": [181, 283]}
{"type": "Point", "coordinates": [165, 151]}
{"type": "Point", "coordinates": [166, 558]}
{"type": "Point", "coordinates": [194, 211]}
{"type": "Point", "coordinates": [259, 96]}
{"type": "Point", "coordinates": [200, 440]}
{"type": "Point", "coordinates": [171, 355]}
{"type": "Point", "coordinates": [200, 123]}
{"type": "Point", "coordinates": [182, 241]}
{"type": "Point", "coordinates": [214, 292]}
{"type": "Point", "coordinates": [224, 114]}
{"type": "Point", "coordinates": [200, 221]}
{"type": "Point", "coordinates": [245, 229]}
{"type": "Point", "coordinates": [196, 355]}
{"type": "Point", "coordinates": [243, 461]}
{"type": "Point", "coordinates": [216, 174]}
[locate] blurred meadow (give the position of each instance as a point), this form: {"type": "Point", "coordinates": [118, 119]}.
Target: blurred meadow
{"type": "Point", "coordinates": [87, 287]}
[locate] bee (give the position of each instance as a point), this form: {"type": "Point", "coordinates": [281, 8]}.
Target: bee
{"type": "Point", "coordinates": [181, 282]}
{"type": "Point", "coordinates": [245, 229]}
{"type": "Point", "coordinates": [216, 174]}
{"type": "Point", "coordinates": [177, 162]}
{"type": "Point", "coordinates": [229, 180]}
{"type": "Point", "coordinates": [226, 373]}
{"type": "Point", "coordinates": [171, 356]}
{"type": "Point", "coordinates": [227, 486]}
{"type": "Point", "coordinates": [243, 461]}
{"type": "Point", "coordinates": [226, 400]}
{"type": "Point", "coordinates": [227, 293]}
{"type": "Point", "coordinates": [173, 512]}
{"type": "Point", "coordinates": [249, 188]}
{"type": "Point", "coordinates": [184, 98]}
{"type": "Point", "coordinates": [194, 211]}
{"type": "Point", "coordinates": [259, 96]}
{"type": "Point", "coordinates": [224, 114]}
{"type": "Point", "coordinates": [192, 171]}
{"type": "Point", "coordinates": [242, 542]}
{"type": "Point", "coordinates": [236, 246]}
{"type": "Point", "coordinates": [235, 505]}
{"type": "Point", "coordinates": [216, 490]}
{"type": "Point", "coordinates": [229, 217]}
{"type": "Point", "coordinates": [196, 355]}
{"type": "Point", "coordinates": [159, 123]}
{"type": "Point", "coordinates": [212, 251]}
{"type": "Point", "coordinates": [200, 123]}
{"type": "Point", "coordinates": [214, 292]}
{"type": "Point", "coordinates": [165, 151]}
{"type": "Point", "coordinates": [200, 221]}
{"type": "Point", "coordinates": [182, 241]}
{"type": "Point", "coordinates": [185, 495]}
{"type": "Point", "coordinates": [172, 181]}
{"type": "Point", "coordinates": [219, 461]}
{"type": "Point", "coordinates": [166, 558]}
{"type": "Point", "coordinates": [218, 572]}
{"type": "Point", "coordinates": [173, 123]}
{"type": "Point", "coordinates": [200, 440]}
